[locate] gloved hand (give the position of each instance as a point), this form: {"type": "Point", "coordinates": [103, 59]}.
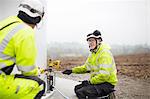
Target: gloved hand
{"type": "Point", "coordinates": [67, 71]}
{"type": "Point", "coordinates": [88, 71]}
{"type": "Point", "coordinates": [85, 82]}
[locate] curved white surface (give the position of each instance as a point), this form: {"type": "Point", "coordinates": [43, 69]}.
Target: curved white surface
{"type": "Point", "coordinates": [65, 86]}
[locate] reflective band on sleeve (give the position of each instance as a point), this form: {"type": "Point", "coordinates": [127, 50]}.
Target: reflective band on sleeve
{"type": "Point", "coordinates": [8, 37]}
{"type": "Point", "coordinates": [103, 72]}
{"type": "Point", "coordinates": [95, 67]}
{"type": "Point", "coordinates": [105, 65]}
{"type": "Point", "coordinates": [88, 66]}
{"type": "Point", "coordinates": [25, 68]}
{"type": "Point", "coordinates": [5, 42]}
{"type": "Point", "coordinates": [6, 57]}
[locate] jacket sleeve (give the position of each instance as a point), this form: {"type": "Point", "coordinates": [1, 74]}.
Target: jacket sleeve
{"type": "Point", "coordinates": [104, 69]}
{"type": "Point", "coordinates": [81, 69]}
{"type": "Point", "coordinates": [26, 53]}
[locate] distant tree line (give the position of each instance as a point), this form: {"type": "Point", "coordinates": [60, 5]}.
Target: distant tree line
{"type": "Point", "coordinates": [56, 50]}
{"type": "Point", "coordinates": [130, 49]}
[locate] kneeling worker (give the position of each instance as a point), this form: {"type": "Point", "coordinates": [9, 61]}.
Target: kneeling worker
{"type": "Point", "coordinates": [101, 65]}
{"type": "Point", "coordinates": [17, 47]}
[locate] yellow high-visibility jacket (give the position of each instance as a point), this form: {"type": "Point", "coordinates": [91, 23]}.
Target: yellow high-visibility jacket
{"type": "Point", "coordinates": [101, 64]}
{"type": "Point", "coordinates": [17, 45]}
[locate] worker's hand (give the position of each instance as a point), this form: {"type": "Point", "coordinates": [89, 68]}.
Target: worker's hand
{"type": "Point", "coordinates": [67, 71]}
{"type": "Point", "coordinates": [85, 82]}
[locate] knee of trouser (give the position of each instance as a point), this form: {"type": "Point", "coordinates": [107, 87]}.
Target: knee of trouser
{"type": "Point", "coordinates": [75, 89]}
{"type": "Point", "coordinates": [80, 94]}
{"type": "Point", "coordinates": [78, 87]}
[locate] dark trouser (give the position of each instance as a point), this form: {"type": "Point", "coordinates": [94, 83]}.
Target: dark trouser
{"type": "Point", "coordinates": [40, 82]}
{"type": "Point", "coordinates": [91, 91]}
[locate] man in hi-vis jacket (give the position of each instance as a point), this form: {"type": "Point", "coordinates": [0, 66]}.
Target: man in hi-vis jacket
{"type": "Point", "coordinates": [100, 63]}
{"type": "Point", "coordinates": [17, 47]}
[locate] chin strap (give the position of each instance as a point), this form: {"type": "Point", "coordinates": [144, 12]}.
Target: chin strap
{"type": "Point", "coordinates": [39, 25]}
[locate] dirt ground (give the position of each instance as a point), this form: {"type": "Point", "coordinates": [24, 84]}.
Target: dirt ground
{"type": "Point", "coordinates": [133, 74]}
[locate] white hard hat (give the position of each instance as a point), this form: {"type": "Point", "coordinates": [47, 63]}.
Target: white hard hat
{"type": "Point", "coordinates": [33, 8]}
{"type": "Point", "coordinates": [96, 34]}
{"type": "Point", "coordinates": [93, 36]}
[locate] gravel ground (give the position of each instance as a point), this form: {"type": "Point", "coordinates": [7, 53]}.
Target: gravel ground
{"type": "Point", "coordinates": [127, 87]}
{"type": "Point", "coordinates": [133, 74]}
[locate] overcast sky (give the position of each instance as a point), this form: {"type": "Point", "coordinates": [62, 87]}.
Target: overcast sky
{"type": "Point", "coordinates": [120, 21]}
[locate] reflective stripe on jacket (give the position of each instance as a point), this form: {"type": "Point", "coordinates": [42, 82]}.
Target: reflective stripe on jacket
{"type": "Point", "coordinates": [17, 45]}
{"type": "Point", "coordinates": [102, 66]}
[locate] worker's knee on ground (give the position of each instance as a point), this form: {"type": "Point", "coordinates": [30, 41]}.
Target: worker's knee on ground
{"type": "Point", "coordinates": [77, 87]}
{"type": "Point", "coordinates": [80, 94]}
{"type": "Point", "coordinates": [83, 92]}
